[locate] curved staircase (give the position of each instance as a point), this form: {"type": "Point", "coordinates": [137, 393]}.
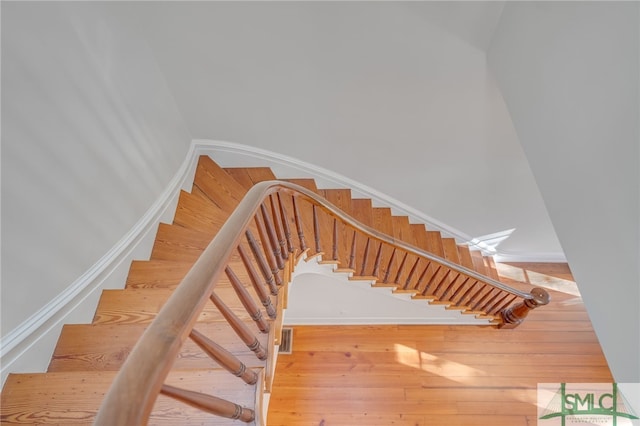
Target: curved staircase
{"type": "Point", "coordinates": [237, 330]}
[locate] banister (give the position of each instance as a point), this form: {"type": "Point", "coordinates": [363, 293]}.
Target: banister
{"type": "Point", "coordinates": [135, 388]}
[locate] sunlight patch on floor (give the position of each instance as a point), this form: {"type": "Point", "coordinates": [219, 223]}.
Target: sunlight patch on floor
{"type": "Point", "coordinates": [430, 363]}
{"type": "Point", "coordinates": [537, 279]}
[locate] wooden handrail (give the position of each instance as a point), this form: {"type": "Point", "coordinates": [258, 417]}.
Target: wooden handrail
{"type": "Point", "coordinates": [136, 386]}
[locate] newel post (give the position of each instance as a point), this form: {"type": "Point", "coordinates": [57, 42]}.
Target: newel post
{"type": "Point", "coordinates": [514, 315]}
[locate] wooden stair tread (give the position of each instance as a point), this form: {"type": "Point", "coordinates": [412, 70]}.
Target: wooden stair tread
{"type": "Point", "coordinates": [174, 242]}
{"type": "Point", "coordinates": [156, 273]}
{"type": "Point", "coordinates": [434, 243]}
{"type": "Point", "coordinates": [93, 347]}
{"type": "Point", "coordinates": [179, 244]}
{"type": "Point", "coordinates": [402, 229]}
{"type": "Point", "coordinates": [309, 184]}
{"type": "Point", "coordinates": [450, 249]}
{"type": "Point", "coordinates": [478, 262]}
{"type": "Point", "coordinates": [73, 398]}
{"type": "Point", "coordinates": [218, 185]}
{"type": "Point", "coordinates": [420, 235]}
{"type": "Point", "coordinates": [341, 198]}
{"type": "Point", "coordinates": [196, 212]}
{"type": "Point", "coordinates": [140, 306]}
{"type": "Point", "coordinates": [249, 176]}
{"type": "Point", "coordinates": [491, 268]}
{"type": "Point", "coordinates": [465, 256]}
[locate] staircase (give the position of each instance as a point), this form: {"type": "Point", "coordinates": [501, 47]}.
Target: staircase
{"type": "Point", "coordinates": [197, 340]}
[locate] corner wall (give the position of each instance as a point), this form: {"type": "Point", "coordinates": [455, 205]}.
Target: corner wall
{"type": "Point", "coordinates": [91, 136]}
{"type": "Point", "coordinates": [569, 75]}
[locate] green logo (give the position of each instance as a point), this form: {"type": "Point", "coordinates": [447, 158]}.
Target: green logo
{"type": "Point", "coordinates": [591, 403]}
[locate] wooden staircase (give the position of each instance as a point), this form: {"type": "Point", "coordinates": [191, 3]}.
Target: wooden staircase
{"type": "Point", "coordinates": [240, 330]}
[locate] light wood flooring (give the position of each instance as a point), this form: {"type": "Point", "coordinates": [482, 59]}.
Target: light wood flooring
{"type": "Point", "coordinates": [436, 375]}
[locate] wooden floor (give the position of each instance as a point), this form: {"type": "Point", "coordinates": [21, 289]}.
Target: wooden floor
{"type": "Point", "coordinates": [436, 375]}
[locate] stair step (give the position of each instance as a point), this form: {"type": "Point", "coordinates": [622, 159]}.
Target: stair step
{"type": "Point", "coordinates": [465, 256]}
{"type": "Point", "coordinates": [309, 184]}
{"type": "Point", "coordinates": [402, 230]}
{"type": "Point", "coordinates": [362, 211]}
{"type": "Point", "coordinates": [341, 198]}
{"type": "Point", "coordinates": [420, 235]}
{"type": "Point", "coordinates": [140, 306]}
{"type": "Point", "coordinates": [249, 176]}
{"type": "Point", "coordinates": [93, 347]}
{"type": "Point", "coordinates": [73, 398]}
{"type": "Point", "coordinates": [195, 212]}
{"type": "Point", "coordinates": [156, 273]}
{"type": "Point", "coordinates": [382, 222]}
{"type": "Point", "coordinates": [218, 185]}
{"type": "Point", "coordinates": [491, 268]}
{"type": "Point", "coordinates": [478, 262]}
{"type": "Point", "coordinates": [450, 249]}
{"type": "Point", "coordinates": [179, 244]}
{"type": "Point", "coordinates": [434, 243]}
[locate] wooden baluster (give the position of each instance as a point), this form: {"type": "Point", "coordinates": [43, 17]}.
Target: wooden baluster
{"type": "Point", "coordinates": [224, 358]}
{"type": "Point", "coordinates": [316, 230]}
{"type": "Point", "coordinates": [247, 301]}
{"type": "Point", "coordinates": [271, 260]}
{"type": "Point", "coordinates": [458, 291]}
{"type": "Point", "coordinates": [262, 263]}
{"type": "Point", "coordinates": [514, 315]}
{"type": "Point", "coordinates": [491, 301]}
{"type": "Point", "coordinates": [257, 286]}
{"type": "Point", "coordinates": [446, 277]}
{"type": "Point", "coordinates": [482, 300]}
{"type": "Point", "coordinates": [497, 303]}
{"type": "Point", "coordinates": [475, 295]}
{"type": "Point", "coordinates": [386, 274]}
{"type": "Point", "coordinates": [335, 239]}
{"type": "Point", "coordinates": [209, 403]}
{"type": "Point", "coordinates": [452, 281]}
{"type": "Point", "coordinates": [352, 256]}
{"type": "Point", "coordinates": [463, 298]}
{"type": "Point", "coordinates": [365, 257]}
{"type": "Point", "coordinates": [285, 223]}
{"type": "Point", "coordinates": [296, 215]}
{"type": "Point", "coordinates": [411, 273]}
{"type": "Point", "coordinates": [272, 237]}
{"type": "Point", "coordinates": [422, 276]}
{"type": "Point", "coordinates": [284, 252]}
{"type": "Point", "coordinates": [432, 281]}
{"type": "Point", "coordinates": [504, 305]}
{"type": "Point", "coordinates": [376, 263]}
{"type": "Point", "coordinates": [401, 268]}
{"type": "Point", "coordinates": [241, 329]}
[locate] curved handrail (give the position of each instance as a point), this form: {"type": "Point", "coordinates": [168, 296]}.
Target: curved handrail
{"type": "Point", "coordinates": [135, 388]}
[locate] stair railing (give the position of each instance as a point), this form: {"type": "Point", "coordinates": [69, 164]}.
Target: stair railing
{"type": "Point", "coordinates": [286, 218]}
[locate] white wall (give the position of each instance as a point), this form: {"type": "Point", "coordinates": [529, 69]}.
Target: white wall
{"type": "Point", "coordinates": [392, 95]}
{"type": "Point", "coordinates": [91, 136]}
{"type": "Point", "coordinates": [569, 74]}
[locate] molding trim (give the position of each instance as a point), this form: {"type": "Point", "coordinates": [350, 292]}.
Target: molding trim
{"type": "Point", "coordinates": [20, 339]}
{"type": "Point", "coordinates": [211, 147]}
{"type": "Point", "coordinates": [27, 334]}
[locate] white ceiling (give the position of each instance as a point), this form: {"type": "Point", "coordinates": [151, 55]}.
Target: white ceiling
{"type": "Point", "coordinates": [396, 95]}
{"type": "Point", "coordinates": [472, 21]}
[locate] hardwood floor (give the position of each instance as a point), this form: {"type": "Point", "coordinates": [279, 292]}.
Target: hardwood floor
{"type": "Point", "coordinates": [435, 375]}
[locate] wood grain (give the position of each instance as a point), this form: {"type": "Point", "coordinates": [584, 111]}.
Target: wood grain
{"type": "Point", "coordinates": [434, 375]}
{"type": "Point", "coordinates": [73, 398]}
